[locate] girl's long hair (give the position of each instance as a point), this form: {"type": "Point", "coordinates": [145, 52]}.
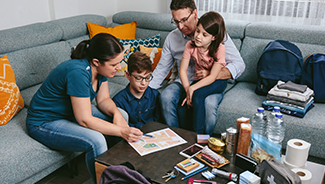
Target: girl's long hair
{"type": "Point", "coordinates": [102, 46]}
{"type": "Point", "coordinates": [213, 23]}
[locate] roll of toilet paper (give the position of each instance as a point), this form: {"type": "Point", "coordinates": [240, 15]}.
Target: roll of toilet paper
{"type": "Point", "coordinates": [293, 166]}
{"type": "Point", "coordinates": [304, 174]}
{"type": "Point", "coordinates": [297, 152]}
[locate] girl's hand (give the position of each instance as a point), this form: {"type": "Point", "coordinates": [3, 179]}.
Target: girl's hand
{"type": "Point", "coordinates": [131, 134]}
{"type": "Point", "coordinates": [202, 74]}
{"type": "Point", "coordinates": [189, 94]}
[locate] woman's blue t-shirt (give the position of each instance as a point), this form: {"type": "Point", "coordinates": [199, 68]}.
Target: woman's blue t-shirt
{"type": "Point", "coordinates": [52, 100]}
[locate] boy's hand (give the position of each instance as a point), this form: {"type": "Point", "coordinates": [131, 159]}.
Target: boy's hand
{"type": "Point", "coordinates": [131, 134]}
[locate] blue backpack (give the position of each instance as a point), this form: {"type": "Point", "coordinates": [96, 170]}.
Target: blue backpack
{"type": "Point", "coordinates": [280, 60]}
{"type": "Point", "coordinates": [313, 75]}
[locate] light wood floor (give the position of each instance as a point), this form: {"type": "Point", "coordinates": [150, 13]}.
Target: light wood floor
{"type": "Point", "coordinates": [62, 175]}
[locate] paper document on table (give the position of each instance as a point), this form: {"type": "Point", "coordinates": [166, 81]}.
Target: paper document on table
{"type": "Point", "coordinates": [160, 140]}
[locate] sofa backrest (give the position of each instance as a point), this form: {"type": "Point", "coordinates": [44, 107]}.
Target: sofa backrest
{"type": "Point", "coordinates": [151, 24]}
{"type": "Point", "coordinates": [309, 39]}
{"type": "Point", "coordinates": [34, 50]}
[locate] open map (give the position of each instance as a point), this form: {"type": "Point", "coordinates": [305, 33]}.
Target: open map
{"type": "Point", "coordinates": [162, 139]}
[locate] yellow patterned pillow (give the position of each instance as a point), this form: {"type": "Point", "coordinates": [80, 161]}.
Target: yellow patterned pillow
{"type": "Point", "coordinates": [11, 101]}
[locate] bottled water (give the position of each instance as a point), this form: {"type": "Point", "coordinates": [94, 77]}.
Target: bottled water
{"type": "Point", "coordinates": [259, 122]}
{"type": "Point", "coordinates": [276, 129]}
{"type": "Point", "coordinates": [271, 116]}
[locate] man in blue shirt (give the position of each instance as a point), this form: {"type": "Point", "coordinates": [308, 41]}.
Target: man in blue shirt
{"type": "Point", "coordinates": [185, 16]}
{"type": "Point", "coordinates": [137, 99]}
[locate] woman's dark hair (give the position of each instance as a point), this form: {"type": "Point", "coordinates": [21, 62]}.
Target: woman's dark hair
{"type": "Point", "coordinates": [182, 4]}
{"type": "Point", "coordinates": [102, 46]}
{"type": "Point", "coordinates": [213, 23]}
{"type": "Point", "coordinates": [139, 62]}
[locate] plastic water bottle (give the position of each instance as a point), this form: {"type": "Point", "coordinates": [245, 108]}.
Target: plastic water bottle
{"type": "Point", "coordinates": [276, 129]}
{"type": "Point", "coordinates": [259, 122]}
{"type": "Point", "coordinates": [271, 116]}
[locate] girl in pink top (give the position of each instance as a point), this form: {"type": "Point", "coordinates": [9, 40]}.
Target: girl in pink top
{"type": "Point", "coordinates": [208, 52]}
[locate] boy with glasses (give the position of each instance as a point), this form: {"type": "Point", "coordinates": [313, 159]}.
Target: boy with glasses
{"type": "Point", "coordinates": [185, 17]}
{"type": "Point", "coordinates": [138, 99]}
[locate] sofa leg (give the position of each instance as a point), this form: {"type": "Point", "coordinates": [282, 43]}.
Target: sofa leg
{"type": "Point", "coordinates": [73, 167]}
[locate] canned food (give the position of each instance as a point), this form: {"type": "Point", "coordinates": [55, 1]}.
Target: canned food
{"type": "Point", "coordinates": [216, 145]}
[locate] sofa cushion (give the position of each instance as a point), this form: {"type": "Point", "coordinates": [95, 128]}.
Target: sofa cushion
{"type": "Point", "coordinates": [32, 65]}
{"type": "Point", "coordinates": [148, 42]}
{"type": "Point", "coordinates": [74, 27]}
{"type": "Point", "coordinates": [38, 34]}
{"type": "Point", "coordinates": [11, 101]}
{"type": "Point", "coordinates": [19, 151]}
{"type": "Point", "coordinates": [124, 31]}
{"type": "Point", "coordinates": [310, 128]}
{"type": "Point", "coordinates": [28, 94]}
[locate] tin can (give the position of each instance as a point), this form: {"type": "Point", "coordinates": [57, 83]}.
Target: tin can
{"type": "Point", "coordinates": [231, 140]}
{"type": "Point", "coordinates": [216, 145]}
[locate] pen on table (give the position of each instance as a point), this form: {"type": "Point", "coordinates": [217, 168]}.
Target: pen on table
{"type": "Point", "coordinates": [195, 172]}
{"type": "Point", "coordinates": [147, 135]}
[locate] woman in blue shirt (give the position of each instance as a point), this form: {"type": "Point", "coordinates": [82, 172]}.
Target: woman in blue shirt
{"type": "Point", "coordinates": [60, 114]}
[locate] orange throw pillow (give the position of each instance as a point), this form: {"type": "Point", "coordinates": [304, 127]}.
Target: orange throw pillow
{"type": "Point", "coordinates": [124, 31]}
{"type": "Point", "coordinates": [11, 101]}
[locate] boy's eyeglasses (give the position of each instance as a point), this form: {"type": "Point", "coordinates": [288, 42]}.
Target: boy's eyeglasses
{"type": "Point", "coordinates": [183, 21]}
{"type": "Point", "coordinates": [140, 79]}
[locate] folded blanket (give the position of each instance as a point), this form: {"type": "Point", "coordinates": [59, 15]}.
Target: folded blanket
{"type": "Point", "coordinates": [270, 97]}
{"type": "Point", "coordinates": [295, 95]}
{"type": "Point", "coordinates": [293, 87]}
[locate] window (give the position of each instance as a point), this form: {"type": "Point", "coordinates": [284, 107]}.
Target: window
{"type": "Point", "coordinates": [307, 12]}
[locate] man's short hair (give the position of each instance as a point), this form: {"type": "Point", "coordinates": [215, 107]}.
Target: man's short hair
{"type": "Point", "coordinates": [182, 4]}
{"type": "Point", "coordinates": [139, 62]}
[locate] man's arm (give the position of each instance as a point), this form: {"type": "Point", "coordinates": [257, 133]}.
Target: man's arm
{"type": "Point", "coordinates": [163, 67]}
{"type": "Point", "coordinates": [235, 63]}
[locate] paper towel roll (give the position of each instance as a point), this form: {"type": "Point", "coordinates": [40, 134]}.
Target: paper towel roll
{"type": "Point", "coordinates": [297, 152]}
{"type": "Point", "coordinates": [304, 175]}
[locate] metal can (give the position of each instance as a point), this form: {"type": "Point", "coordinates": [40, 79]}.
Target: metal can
{"type": "Point", "coordinates": [216, 145]}
{"type": "Point", "coordinates": [231, 140]}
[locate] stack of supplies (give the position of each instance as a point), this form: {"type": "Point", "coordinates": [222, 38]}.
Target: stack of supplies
{"type": "Point", "coordinates": [293, 99]}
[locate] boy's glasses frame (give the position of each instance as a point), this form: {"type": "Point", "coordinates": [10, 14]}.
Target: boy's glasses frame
{"type": "Point", "coordinates": [183, 21]}
{"type": "Point", "coordinates": [140, 79]}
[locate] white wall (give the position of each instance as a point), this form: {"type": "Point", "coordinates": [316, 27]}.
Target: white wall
{"type": "Point", "coordinates": [15, 13]}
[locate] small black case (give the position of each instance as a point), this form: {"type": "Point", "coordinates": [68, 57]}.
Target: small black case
{"type": "Point", "coordinates": [245, 162]}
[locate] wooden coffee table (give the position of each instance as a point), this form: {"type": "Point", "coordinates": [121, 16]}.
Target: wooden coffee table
{"type": "Point", "coordinates": [156, 164]}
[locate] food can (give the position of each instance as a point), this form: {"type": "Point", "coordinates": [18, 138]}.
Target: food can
{"type": "Point", "coordinates": [231, 141]}
{"type": "Point", "coordinates": [216, 145]}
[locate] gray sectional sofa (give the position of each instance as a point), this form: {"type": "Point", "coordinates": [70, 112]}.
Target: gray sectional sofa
{"type": "Point", "coordinates": [240, 99]}
{"type": "Point", "coordinates": [34, 50]}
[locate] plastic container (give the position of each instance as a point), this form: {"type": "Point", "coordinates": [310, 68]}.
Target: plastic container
{"type": "Point", "coordinates": [259, 122]}
{"type": "Point", "coordinates": [276, 129]}
{"type": "Point", "coordinates": [271, 116]}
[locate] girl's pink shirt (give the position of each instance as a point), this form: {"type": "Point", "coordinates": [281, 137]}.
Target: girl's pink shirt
{"type": "Point", "coordinates": [202, 59]}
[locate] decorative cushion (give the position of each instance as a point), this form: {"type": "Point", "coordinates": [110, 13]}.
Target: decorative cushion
{"type": "Point", "coordinates": [147, 42]}
{"type": "Point", "coordinates": [128, 50]}
{"type": "Point", "coordinates": [124, 31]}
{"type": "Point", "coordinates": [11, 101]}
{"type": "Point", "coordinates": [149, 52]}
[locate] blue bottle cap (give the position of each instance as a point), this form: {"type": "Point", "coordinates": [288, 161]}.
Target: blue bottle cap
{"type": "Point", "coordinates": [278, 115]}
{"type": "Point", "coordinates": [260, 109]}
{"type": "Point", "coordinates": [276, 109]}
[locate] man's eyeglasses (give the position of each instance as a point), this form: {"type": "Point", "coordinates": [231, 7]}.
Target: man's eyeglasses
{"type": "Point", "coordinates": [140, 79]}
{"type": "Point", "coordinates": [183, 21]}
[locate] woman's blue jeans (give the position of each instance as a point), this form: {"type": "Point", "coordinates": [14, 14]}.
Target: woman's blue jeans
{"type": "Point", "coordinates": [70, 136]}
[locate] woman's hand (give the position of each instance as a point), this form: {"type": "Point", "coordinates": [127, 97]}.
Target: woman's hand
{"type": "Point", "coordinates": [131, 134]}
